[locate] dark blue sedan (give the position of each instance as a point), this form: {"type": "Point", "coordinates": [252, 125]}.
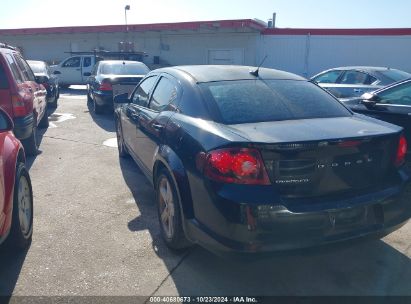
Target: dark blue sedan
{"type": "Point", "coordinates": [249, 160]}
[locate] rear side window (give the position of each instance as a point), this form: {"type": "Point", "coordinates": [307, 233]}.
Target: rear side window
{"type": "Point", "coordinates": [164, 94]}
{"type": "Point", "coordinates": [4, 83]}
{"type": "Point", "coordinates": [141, 94]}
{"type": "Point", "coordinates": [86, 62]}
{"type": "Point", "coordinates": [25, 69]}
{"type": "Point", "coordinates": [249, 101]}
{"type": "Point", "coordinates": [354, 77]}
{"type": "Point", "coordinates": [14, 68]}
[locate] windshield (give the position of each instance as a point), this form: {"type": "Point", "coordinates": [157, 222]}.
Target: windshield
{"type": "Point", "coordinates": [124, 68]}
{"type": "Point", "coordinates": [395, 75]}
{"type": "Point", "coordinates": [249, 101]}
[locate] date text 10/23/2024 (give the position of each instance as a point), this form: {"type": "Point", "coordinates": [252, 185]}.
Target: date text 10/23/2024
{"type": "Point", "coordinates": [206, 299]}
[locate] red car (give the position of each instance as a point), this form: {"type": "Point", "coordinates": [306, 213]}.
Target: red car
{"type": "Point", "coordinates": [23, 97]}
{"type": "Point", "coordinates": [16, 196]}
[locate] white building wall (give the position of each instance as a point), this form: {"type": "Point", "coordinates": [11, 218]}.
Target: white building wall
{"type": "Point", "coordinates": [174, 48]}
{"type": "Point", "coordinates": [301, 54]}
{"type": "Point", "coordinates": [307, 55]}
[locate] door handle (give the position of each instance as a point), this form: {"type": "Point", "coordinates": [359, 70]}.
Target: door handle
{"type": "Point", "coordinates": [78, 69]}
{"type": "Point", "coordinates": [357, 90]}
{"type": "Point", "coordinates": [158, 127]}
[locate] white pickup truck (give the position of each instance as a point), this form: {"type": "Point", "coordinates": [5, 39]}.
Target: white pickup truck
{"type": "Point", "coordinates": [77, 68]}
{"type": "Point", "coordinates": [74, 69]}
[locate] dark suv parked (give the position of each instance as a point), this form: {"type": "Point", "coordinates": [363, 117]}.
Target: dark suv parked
{"type": "Point", "coordinates": [22, 97]}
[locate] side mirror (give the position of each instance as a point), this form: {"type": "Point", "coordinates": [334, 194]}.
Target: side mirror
{"type": "Point", "coordinates": [121, 98]}
{"type": "Point", "coordinates": [6, 123]}
{"type": "Point", "coordinates": [87, 74]}
{"type": "Point", "coordinates": [56, 72]}
{"type": "Point", "coordinates": [369, 99]}
{"type": "Point", "coordinates": [41, 79]}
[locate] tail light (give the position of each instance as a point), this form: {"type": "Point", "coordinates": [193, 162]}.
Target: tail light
{"type": "Point", "coordinates": [401, 151]}
{"type": "Point", "coordinates": [19, 106]}
{"type": "Point", "coordinates": [105, 86]}
{"type": "Point", "coordinates": [235, 165]}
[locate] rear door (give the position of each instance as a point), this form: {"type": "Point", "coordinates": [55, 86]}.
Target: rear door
{"type": "Point", "coordinates": [130, 113]}
{"type": "Point", "coordinates": [5, 94]}
{"type": "Point", "coordinates": [353, 83]}
{"type": "Point", "coordinates": [37, 90]}
{"type": "Point", "coordinates": [152, 121]}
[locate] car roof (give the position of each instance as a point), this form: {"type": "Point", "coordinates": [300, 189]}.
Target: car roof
{"type": "Point", "coordinates": [362, 68]}
{"type": "Point", "coordinates": [210, 73]}
{"type": "Point", "coordinates": [120, 61]}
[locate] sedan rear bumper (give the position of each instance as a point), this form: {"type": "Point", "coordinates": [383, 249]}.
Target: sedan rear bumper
{"type": "Point", "coordinates": [238, 226]}
{"type": "Point", "coordinates": [103, 98]}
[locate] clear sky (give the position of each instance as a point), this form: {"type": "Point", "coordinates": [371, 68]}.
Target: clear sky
{"type": "Point", "coordinates": [290, 13]}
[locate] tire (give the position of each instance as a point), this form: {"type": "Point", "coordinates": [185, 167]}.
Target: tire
{"type": "Point", "coordinates": [97, 108]}
{"type": "Point", "coordinates": [169, 215]}
{"type": "Point", "coordinates": [122, 149]}
{"type": "Point", "coordinates": [21, 230]}
{"type": "Point", "coordinates": [30, 144]}
{"type": "Point", "coordinates": [44, 122]}
{"type": "Point", "coordinates": [89, 99]}
{"type": "Point", "coordinates": [53, 105]}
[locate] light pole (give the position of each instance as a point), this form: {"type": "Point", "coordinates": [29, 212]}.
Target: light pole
{"type": "Point", "coordinates": [126, 8]}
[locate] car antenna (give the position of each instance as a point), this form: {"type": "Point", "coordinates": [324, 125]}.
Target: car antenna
{"type": "Point", "coordinates": [255, 73]}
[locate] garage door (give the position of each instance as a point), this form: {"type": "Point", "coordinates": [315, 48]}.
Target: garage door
{"type": "Point", "coordinates": [226, 56]}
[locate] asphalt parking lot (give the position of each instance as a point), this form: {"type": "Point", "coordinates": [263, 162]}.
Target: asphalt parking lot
{"type": "Point", "coordinates": [96, 233]}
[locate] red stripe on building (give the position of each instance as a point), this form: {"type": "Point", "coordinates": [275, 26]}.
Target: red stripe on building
{"type": "Point", "coordinates": [339, 32]}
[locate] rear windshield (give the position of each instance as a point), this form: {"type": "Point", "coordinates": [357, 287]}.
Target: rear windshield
{"type": "Point", "coordinates": [394, 75]}
{"type": "Point", "coordinates": [124, 68]}
{"type": "Point", "coordinates": [37, 67]}
{"type": "Point", "coordinates": [249, 101]}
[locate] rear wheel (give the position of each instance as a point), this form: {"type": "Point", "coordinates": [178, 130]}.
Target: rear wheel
{"type": "Point", "coordinates": [44, 122]}
{"type": "Point", "coordinates": [122, 149]}
{"type": "Point", "coordinates": [89, 99]}
{"type": "Point", "coordinates": [30, 144]}
{"type": "Point", "coordinates": [97, 108]}
{"type": "Point", "coordinates": [22, 219]}
{"type": "Point", "coordinates": [53, 105]}
{"type": "Point", "coordinates": [168, 207]}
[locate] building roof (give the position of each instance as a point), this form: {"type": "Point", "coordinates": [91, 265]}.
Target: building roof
{"type": "Point", "coordinates": [197, 25]}
{"type": "Point", "coordinates": [250, 24]}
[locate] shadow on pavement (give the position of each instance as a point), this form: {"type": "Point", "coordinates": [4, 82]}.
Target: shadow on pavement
{"type": "Point", "coordinates": [10, 267]}
{"type": "Point", "coordinates": [362, 267]}
{"type": "Point", "coordinates": [104, 121]}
